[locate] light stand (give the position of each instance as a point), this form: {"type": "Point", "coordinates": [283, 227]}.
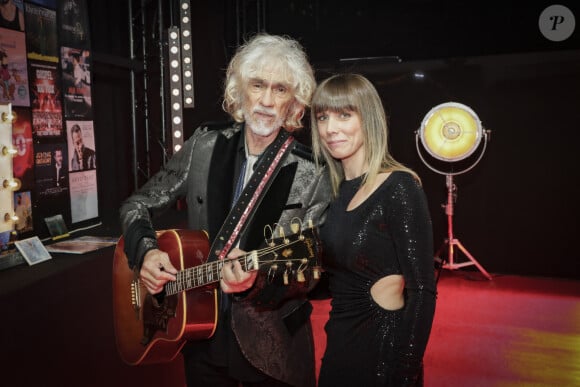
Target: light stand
{"type": "Point", "coordinates": [452, 132]}
{"type": "Point", "coordinates": [451, 240]}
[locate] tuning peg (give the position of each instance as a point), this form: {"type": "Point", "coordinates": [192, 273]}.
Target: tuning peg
{"type": "Point", "coordinates": [288, 269]}
{"type": "Point", "coordinates": [316, 273]}
{"type": "Point", "coordinates": [295, 227]}
{"type": "Point", "coordinates": [300, 276]}
{"type": "Point", "coordinates": [283, 235]}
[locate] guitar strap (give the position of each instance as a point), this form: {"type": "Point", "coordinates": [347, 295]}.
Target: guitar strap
{"type": "Point", "coordinates": [251, 196]}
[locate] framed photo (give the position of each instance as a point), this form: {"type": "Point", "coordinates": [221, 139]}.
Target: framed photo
{"type": "Point", "coordinates": [56, 226]}
{"type": "Point", "coordinates": [33, 250]}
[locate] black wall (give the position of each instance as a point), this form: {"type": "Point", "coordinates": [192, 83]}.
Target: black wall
{"type": "Point", "coordinates": [516, 211]}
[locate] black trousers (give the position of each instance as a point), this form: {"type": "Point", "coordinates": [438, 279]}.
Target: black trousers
{"type": "Point", "coordinates": [199, 373]}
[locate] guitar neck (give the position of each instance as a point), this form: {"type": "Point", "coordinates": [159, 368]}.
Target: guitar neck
{"type": "Point", "coordinates": [282, 256]}
{"type": "Point", "coordinates": [207, 273]}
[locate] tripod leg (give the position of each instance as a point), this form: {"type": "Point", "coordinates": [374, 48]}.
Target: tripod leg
{"type": "Point", "coordinates": [481, 269]}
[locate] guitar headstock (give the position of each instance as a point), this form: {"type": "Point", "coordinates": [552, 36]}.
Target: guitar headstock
{"type": "Point", "coordinates": [290, 255]}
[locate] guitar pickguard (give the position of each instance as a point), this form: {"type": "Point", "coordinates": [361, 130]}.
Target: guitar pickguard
{"type": "Point", "coordinates": [156, 313]}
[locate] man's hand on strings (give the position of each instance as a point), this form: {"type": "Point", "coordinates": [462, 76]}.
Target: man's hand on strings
{"type": "Point", "coordinates": [233, 278]}
{"type": "Point", "coordinates": [156, 270]}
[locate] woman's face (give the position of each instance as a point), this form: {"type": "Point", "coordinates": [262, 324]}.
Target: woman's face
{"type": "Point", "coordinates": [341, 134]}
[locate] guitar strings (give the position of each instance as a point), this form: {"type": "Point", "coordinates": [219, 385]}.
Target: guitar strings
{"type": "Point", "coordinates": [186, 281]}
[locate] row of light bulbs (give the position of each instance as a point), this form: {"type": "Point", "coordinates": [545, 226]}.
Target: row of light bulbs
{"type": "Point", "coordinates": [180, 73]}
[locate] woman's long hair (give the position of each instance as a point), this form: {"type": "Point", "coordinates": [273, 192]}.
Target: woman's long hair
{"type": "Point", "coordinates": [353, 92]}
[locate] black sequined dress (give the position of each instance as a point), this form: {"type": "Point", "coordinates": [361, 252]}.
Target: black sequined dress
{"type": "Point", "coordinates": [389, 233]}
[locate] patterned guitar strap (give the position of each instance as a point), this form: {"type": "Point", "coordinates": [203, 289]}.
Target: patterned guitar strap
{"type": "Point", "coordinates": [251, 196]}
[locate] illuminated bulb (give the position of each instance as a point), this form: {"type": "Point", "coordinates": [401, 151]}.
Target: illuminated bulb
{"type": "Point", "coordinates": [13, 184]}
{"type": "Point", "coordinates": [177, 147]}
{"type": "Point", "coordinates": [8, 151]}
{"type": "Point", "coordinates": [8, 117]}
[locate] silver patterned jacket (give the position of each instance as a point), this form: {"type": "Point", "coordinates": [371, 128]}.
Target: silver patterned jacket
{"type": "Point", "coordinates": [203, 172]}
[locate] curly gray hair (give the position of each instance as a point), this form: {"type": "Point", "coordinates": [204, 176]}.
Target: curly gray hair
{"type": "Point", "coordinates": [270, 50]}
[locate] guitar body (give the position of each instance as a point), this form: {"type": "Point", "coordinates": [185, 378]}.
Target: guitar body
{"type": "Point", "coordinates": [153, 329]}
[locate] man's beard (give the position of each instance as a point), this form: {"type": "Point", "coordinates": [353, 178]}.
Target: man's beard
{"type": "Point", "coordinates": [260, 127]}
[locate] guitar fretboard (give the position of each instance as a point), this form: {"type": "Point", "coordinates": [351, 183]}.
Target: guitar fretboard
{"type": "Point", "coordinates": [280, 257]}
{"type": "Point", "coordinates": [206, 274]}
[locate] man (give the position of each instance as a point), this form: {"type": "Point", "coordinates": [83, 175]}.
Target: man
{"type": "Point", "coordinates": [263, 336]}
{"type": "Point", "coordinates": [83, 157]}
{"type": "Point", "coordinates": [59, 171]}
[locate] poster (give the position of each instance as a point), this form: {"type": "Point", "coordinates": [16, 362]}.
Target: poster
{"type": "Point", "coordinates": [50, 171]}
{"type": "Point", "coordinates": [41, 33]}
{"type": "Point", "coordinates": [46, 102]}
{"type": "Point", "coordinates": [74, 23]}
{"type": "Point", "coordinates": [13, 18]}
{"type": "Point", "coordinates": [23, 211]}
{"type": "Point", "coordinates": [84, 202]}
{"type": "Point", "coordinates": [13, 68]}
{"type": "Point", "coordinates": [81, 145]}
{"type": "Point", "coordinates": [76, 81]}
{"type": "Point", "coordinates": [23, 159]}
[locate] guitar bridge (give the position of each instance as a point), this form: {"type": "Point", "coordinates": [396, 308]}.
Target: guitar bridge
{"type": "Point", "coordinates": [136, 294]}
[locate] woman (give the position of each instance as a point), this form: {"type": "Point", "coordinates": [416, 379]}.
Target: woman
{"type": "Point", "coordinates": [378, 244]}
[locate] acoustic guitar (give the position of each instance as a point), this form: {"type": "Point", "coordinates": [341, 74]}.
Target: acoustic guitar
{"type": "Point", "coordinates": [154, 328]}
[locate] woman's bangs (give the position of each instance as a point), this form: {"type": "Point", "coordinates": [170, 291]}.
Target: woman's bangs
{"type": "Point", "coordinates": [333, 100]}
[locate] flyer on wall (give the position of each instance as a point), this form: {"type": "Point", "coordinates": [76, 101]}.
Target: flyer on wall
{"type": "Point", "coordinates": [45, 95]}
{"type": "Point", "coordinates": [13, 68]}
{"type": "Point", "coordinates": [51, 170]}
{"type": "Point", "coordinates": [23, 159]}
{"type": "Point", "coordinates": [84, 203]}
{"type": "Point", "coordinates": [76, 83]}
{"type": "Point", "coordinates": [41, 33]}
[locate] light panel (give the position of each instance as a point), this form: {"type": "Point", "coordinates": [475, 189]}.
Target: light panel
{"type": "Point", "coordinates": [175, 88]}
{"type": "Point", "coordinates": [186, 54]}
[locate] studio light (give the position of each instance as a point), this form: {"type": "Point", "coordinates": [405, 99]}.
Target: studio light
{"type": "Point", "coordinates": [452, 132]}
{"type": "Point", "coordinates": [175, 87]}
{"type": "Point", "coordinates": [186, 54]}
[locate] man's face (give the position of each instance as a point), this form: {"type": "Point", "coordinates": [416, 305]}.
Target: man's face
{"type": "Point", "coordinates": [58, 157]}
{"type": "Point", "coordinates": [267, 99]}
{"type": "Point", "coordinates": [77, 139]}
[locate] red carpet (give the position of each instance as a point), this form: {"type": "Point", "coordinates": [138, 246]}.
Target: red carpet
{"type": "Point", "coordinates": [510, 331]}
{"type": "Point", "coordinates": [57, 326]}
